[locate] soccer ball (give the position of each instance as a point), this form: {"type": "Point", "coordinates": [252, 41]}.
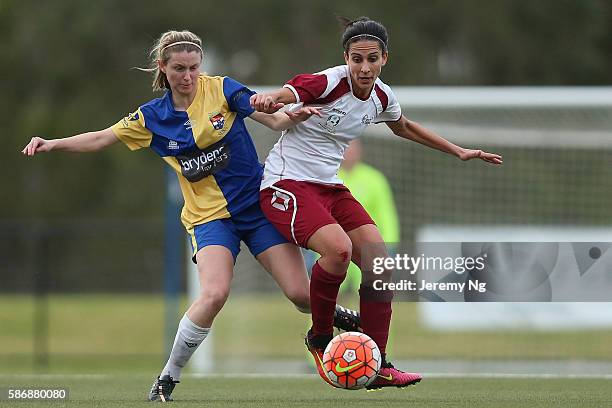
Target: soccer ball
{"type": "Point", "coordinates": [351, 360]}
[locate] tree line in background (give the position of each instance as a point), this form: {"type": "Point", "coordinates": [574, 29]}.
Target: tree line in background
{"type": "Point", "coordinates": [67, 68]}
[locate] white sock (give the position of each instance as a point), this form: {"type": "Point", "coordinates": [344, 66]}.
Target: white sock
{"type": "Point", "coordinates": [188, 337]}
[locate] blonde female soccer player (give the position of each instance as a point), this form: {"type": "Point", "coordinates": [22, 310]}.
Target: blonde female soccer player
{"type": "Point", "coordinates": [303, 197]}
{"type": "Point", "coordinates": [198, 129]}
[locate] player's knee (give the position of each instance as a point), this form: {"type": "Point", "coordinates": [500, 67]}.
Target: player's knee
{"type": "Point", "coordinates": [214, 298]}
{"type": "Point", "coordinates": [340, 253]}
{"type": "Point", "coordinates": [300, 299]}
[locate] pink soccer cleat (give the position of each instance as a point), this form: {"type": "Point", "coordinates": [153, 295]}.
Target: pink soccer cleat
{"type": "Point", "coordinates": [389, 376]}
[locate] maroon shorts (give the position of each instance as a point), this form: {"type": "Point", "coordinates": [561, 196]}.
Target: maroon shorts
{"type": "Point", "coordinates": [299, 208]}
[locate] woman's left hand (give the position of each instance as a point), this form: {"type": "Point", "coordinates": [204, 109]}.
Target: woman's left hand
{"type": "Point", "coordinates": [468, 154]}
{"type": "Point", "coordinates": [303, 114]}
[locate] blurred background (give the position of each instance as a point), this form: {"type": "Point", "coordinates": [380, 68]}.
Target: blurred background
{"type": "Point", "coordinates": [93, 274]}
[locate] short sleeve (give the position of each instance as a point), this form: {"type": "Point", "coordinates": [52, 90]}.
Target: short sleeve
{"type": "Point", "coordinates": [238, 97]}
{"type": "Point", "coordinates": [307, 87]}
{"type": "Point", "coordinates": [391, 109]}
{"type": "Point", "coordinates": [131, 130]}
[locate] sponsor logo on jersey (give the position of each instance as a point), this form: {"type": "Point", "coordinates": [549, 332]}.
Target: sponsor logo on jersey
{"type": "Point", "coordinates": [198, 164]}
{"type": "Point", "coordinates": [217, 120]}
{"type": "Point", "coordinates": [331, 123]}
{"type": "Point", "coordinates": [190, 345]}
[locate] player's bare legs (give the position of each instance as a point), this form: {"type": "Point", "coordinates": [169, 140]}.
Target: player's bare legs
{"type": "Point", "coordinates": [334, 246]}
{"type": "Point", "coordinates": [215, 269]}
{"type": "Point", "coordinates": [375, 306]}
{"type": "Point", "coordinates": [215, 265]}
{"type": "Point", "coordinates": [286, 265]}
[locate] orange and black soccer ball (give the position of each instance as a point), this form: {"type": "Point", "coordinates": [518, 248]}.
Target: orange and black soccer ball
{"type": "Point", "coordinates": [351, 360]}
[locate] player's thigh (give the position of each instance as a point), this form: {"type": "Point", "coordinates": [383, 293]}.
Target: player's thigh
{"type": "Point", "coordinates": [368, 244]}
{"type": "Point", "coordinates": [215, 268]}
{"type": "Point", "coordinates": [331, 241]}
{"type": "Point", "coordinates": [286, 265]}
{"type": "Point", "coordinates": [215, 264]}
{"type": "Point", "coordinates": [282, 259]}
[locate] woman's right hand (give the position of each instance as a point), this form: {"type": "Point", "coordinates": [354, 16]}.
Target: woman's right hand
{"type": "Point", "coordinates": [37, 145]}
{"type": "Point", "coordinates": [265, 103]}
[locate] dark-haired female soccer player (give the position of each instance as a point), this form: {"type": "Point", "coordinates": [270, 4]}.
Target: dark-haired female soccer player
{"type": "Point", "coordinates": [198, 128]}
{"type": "Point", "coordinates": [302, 196]}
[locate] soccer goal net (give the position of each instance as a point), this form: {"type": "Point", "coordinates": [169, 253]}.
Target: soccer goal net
{"type": "Point", "coordinates": [557, 149]}
{"type": "Point", "coordinates": [556, 144]}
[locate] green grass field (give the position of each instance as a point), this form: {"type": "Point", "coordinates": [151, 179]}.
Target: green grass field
{"type": "Point", "coordinates": [262, 326]}
{"type": "Point", "coordinates": [130, 391]}
{"type": "Point", "coordinates": [107, 348]}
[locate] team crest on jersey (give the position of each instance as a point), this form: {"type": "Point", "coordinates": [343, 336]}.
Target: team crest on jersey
{"type": "Point", "coordinates": [331, 123]}
{"type": "Point", "coordinates": [366, 120]}
{"type": "Point", "coordinates": [217, 120]}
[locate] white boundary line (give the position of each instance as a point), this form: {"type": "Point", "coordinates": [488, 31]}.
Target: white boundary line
{"type": "Point", "coordinates": [301, 376]}
{"type": "Point", "coordinates": [426, 375]}
{"type": "Point", "coordinates": [5, 377]}
{"type": "Point", "coordinates": [518, 375]}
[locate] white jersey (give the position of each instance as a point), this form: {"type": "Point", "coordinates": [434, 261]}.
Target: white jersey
{"type": "Point", "coordinates": [314, 149]}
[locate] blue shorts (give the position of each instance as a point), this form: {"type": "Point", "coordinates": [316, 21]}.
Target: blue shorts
{"type": "Point", "coordinates": [249, 225]}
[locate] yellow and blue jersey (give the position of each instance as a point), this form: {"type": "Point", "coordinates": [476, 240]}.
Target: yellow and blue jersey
{"type": "Point", "coordinates": [208, 146]}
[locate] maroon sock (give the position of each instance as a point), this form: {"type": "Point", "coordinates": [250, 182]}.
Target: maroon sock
{"type": "Point", "coordinates": [324, 288]}
{"type": "Point", "coordinates": [375, 310]}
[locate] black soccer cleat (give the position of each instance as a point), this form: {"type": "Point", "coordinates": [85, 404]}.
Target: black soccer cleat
{"type": "Point", "coordinates": [162, 388]}
{"type": "Point", "coordinates": [347, 319]}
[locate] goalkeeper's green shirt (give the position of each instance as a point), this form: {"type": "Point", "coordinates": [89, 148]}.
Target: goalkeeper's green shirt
{"type": "Point", "coordinates": [371, 188]}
